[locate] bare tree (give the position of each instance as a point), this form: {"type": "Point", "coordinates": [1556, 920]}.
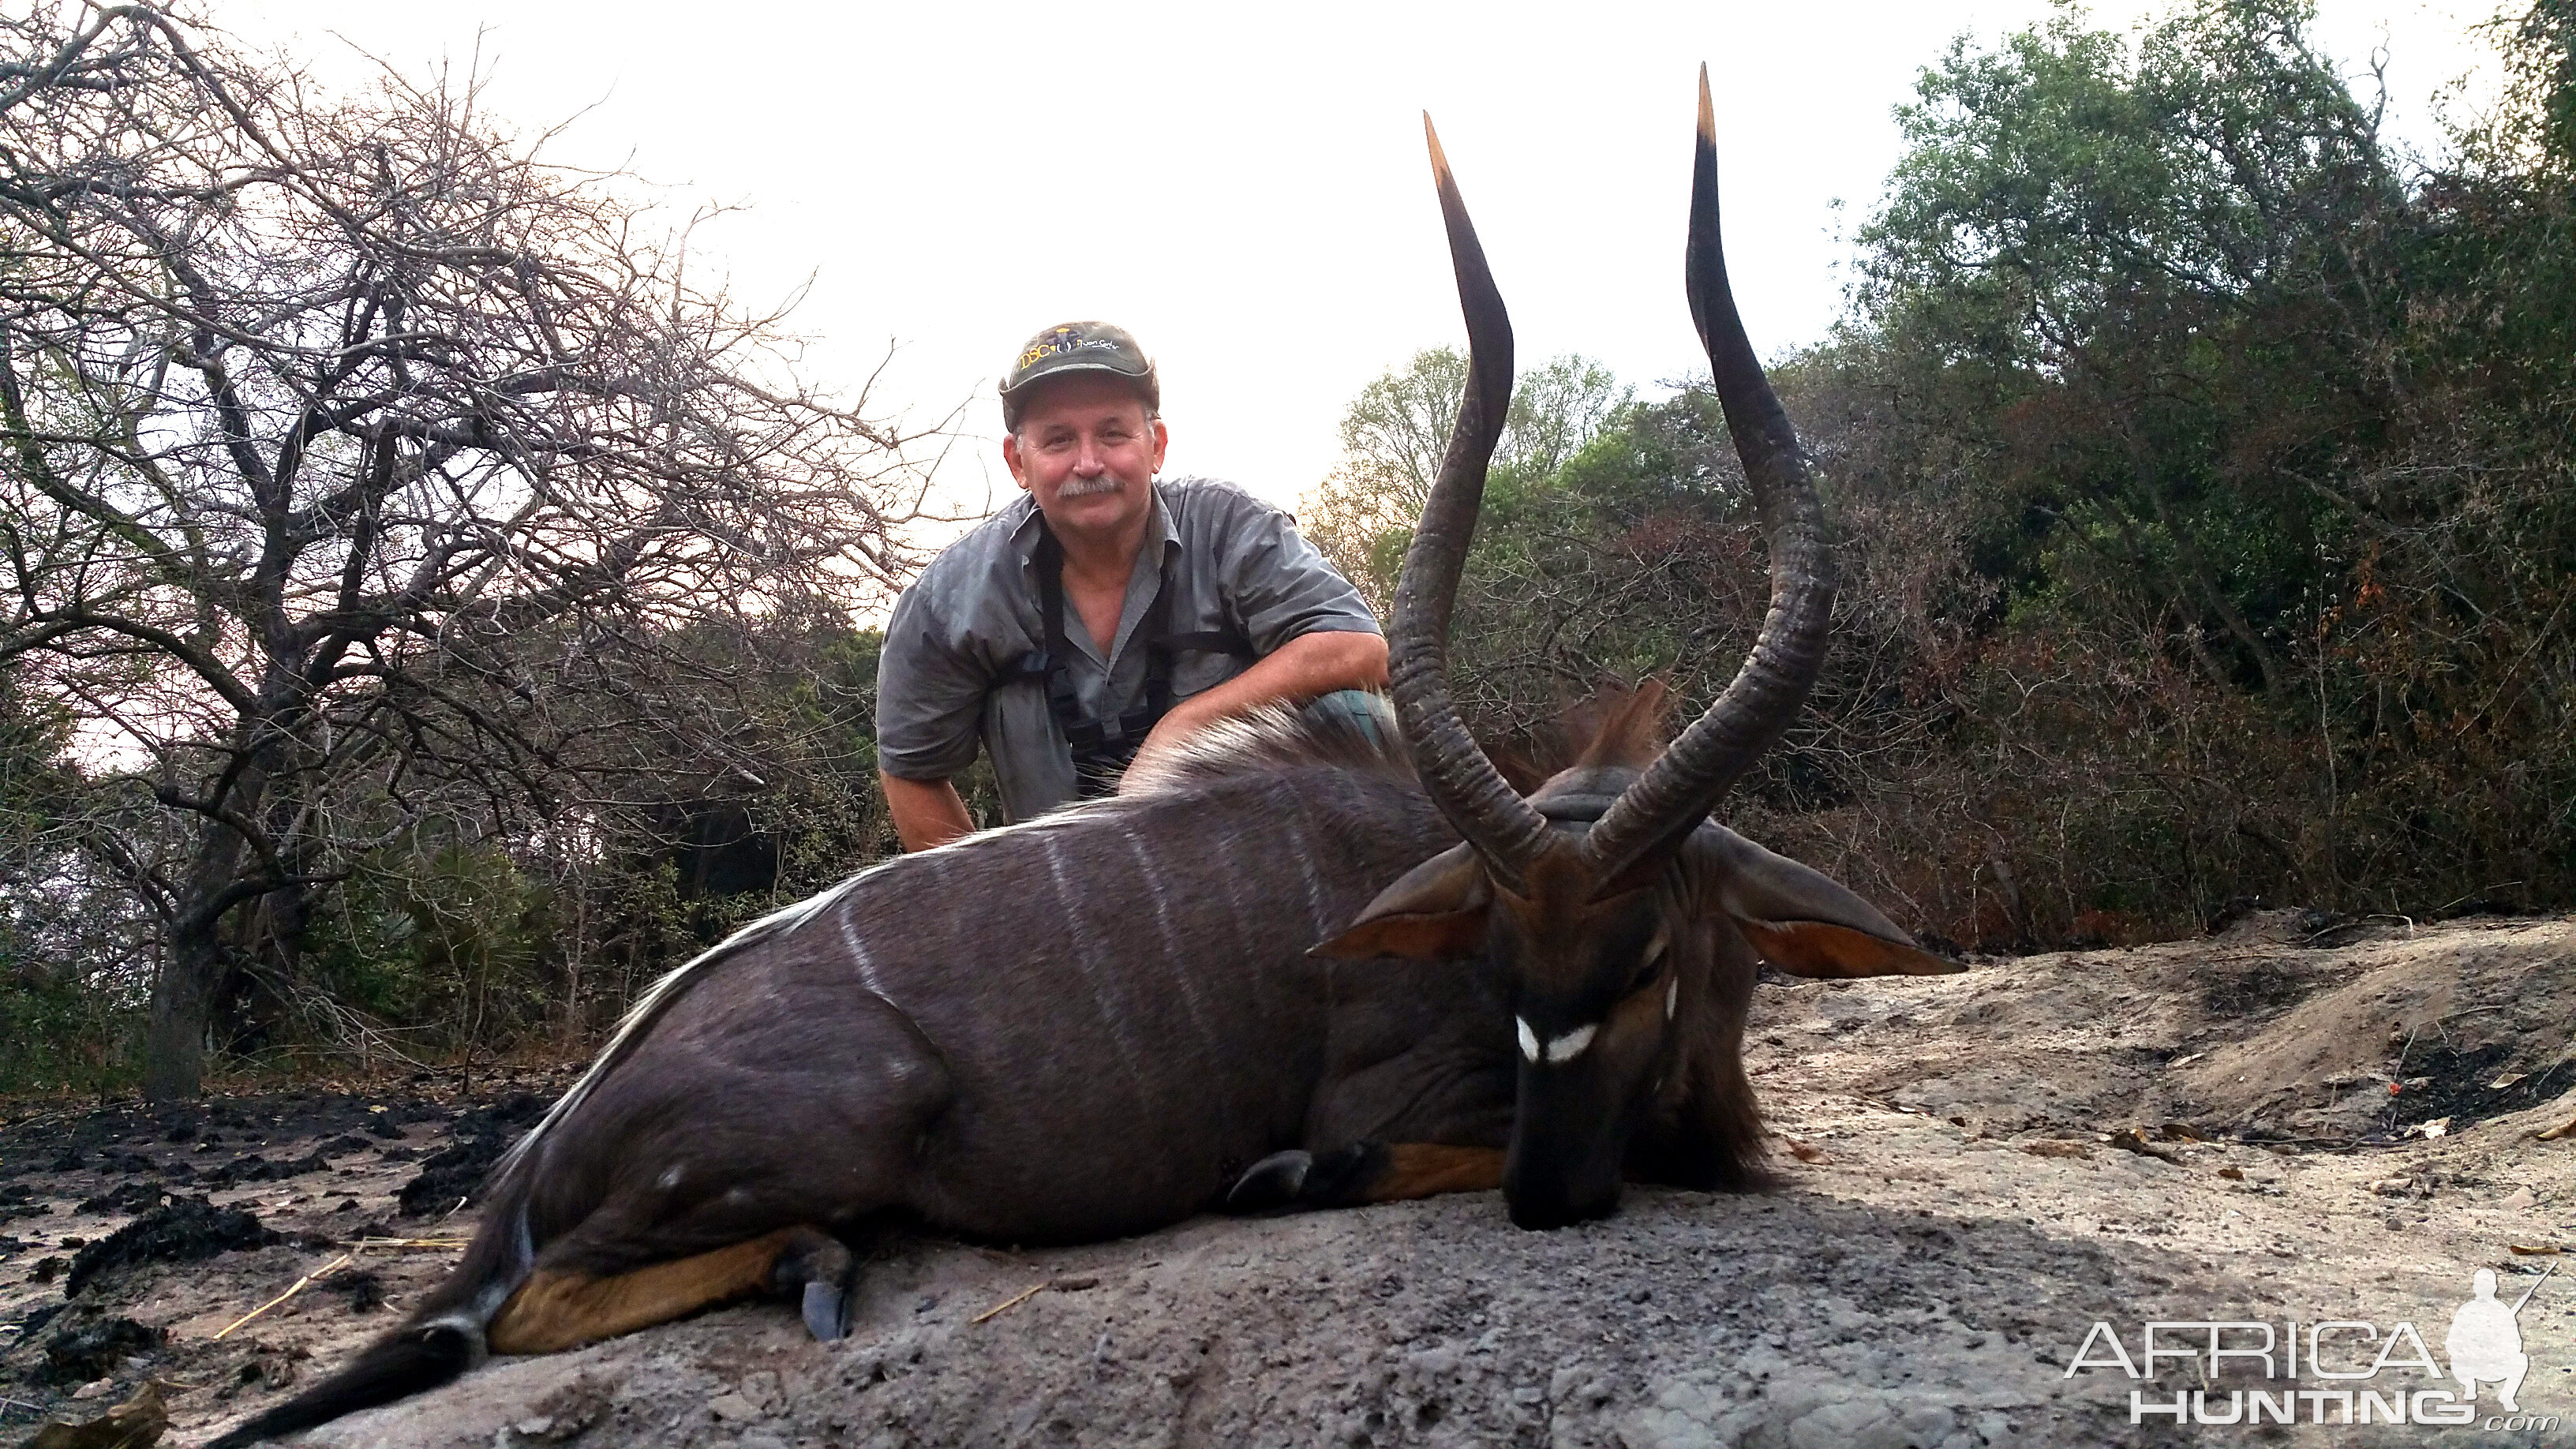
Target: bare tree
{"type": "Point", "coordinates": [343, 437]}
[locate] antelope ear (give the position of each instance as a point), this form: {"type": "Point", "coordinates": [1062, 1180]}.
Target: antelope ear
{"type": "Point", "coordinates": [1818, 948]}
{"type": "Point", "coordinates": [1434, 911]}
{"type": "Point", "coordinates": [1801, 920]}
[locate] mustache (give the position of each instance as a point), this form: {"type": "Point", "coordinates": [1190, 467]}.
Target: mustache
{"type": "Point", "coordinates": [1079, 488]}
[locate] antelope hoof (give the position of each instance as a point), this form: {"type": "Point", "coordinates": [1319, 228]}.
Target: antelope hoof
{"type": "Point", "coordinates": [827, 1311]}
{"type": "Point", "coordinates": [1295, 1179]}
{"type": "Point", "coordinates": [820, 1271]}
{"type": "Point", "coordinates": [1270, 1184]}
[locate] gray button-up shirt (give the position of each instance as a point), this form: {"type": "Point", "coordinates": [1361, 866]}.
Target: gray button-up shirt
{"type": "Point", "coordinates": [950, 674]}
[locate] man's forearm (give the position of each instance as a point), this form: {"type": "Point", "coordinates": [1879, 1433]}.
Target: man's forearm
{"type": "Point", "coordinates": [926, 813]}
{"type": "Point", "coordinates": [1299, 670]}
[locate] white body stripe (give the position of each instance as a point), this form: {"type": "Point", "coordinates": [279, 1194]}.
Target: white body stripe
{"type": "Point", "coordinates": [859, 957]}
{"type": "Point", "coordinates": [1302, 853]}
{"type": "Point", "coordinates": [1171, 944]}
{"type": "Point", "coordinates": [1086, 950]}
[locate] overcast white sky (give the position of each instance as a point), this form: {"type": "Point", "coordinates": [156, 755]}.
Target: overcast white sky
{"type": "Point", "coordinates": [1242, 186]}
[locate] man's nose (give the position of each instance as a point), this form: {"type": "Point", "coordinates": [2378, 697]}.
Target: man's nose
{"type": "Point", "coordinates": [1092, 458]}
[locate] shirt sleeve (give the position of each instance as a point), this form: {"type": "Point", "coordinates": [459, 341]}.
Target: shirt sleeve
{"type": "Point", "coordinates": [930, 692]}
{"type": "Point", "coordinates": [1278, 586]}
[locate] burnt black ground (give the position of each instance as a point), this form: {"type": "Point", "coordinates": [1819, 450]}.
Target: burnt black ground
{"type": "Point", "coordinates": [118, 1222]}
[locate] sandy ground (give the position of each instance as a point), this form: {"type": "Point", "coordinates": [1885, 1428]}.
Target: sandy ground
{"type": "Point", "coordinates": [1980, 1169]}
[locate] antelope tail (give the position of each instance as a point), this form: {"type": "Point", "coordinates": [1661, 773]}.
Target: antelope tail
{"type": "Point", "coordinates": [441, 1340]}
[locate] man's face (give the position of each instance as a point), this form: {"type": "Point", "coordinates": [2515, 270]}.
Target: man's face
{"type": "Point", "coordinates": [1087, 451]}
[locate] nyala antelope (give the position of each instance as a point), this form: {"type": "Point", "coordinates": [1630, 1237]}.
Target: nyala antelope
{"type": "Point", "coordinates": [1110, 1019]}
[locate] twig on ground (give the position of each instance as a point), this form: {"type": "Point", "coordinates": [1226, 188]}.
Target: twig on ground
{"type": "Point", "coordinates": [335, 1266]}
{"type": "Point", "coordinates": [1011, 1302]}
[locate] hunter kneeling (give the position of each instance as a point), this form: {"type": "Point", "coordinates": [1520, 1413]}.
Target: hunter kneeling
{"type": "Point", "coordinates": [1104, 615]}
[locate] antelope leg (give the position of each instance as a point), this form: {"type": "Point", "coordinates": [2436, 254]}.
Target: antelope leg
{"type": "Point", "coordinates": [557, 1310]}
{"type": "Point", "coordinates": [1364, 1172]}
{"type": "Point", "coordinates": [817, 1270]}
{"type": "Point", "coordinates": [1427, 1169]}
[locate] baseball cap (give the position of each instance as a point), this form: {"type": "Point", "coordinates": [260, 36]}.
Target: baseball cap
{"type": "Point", "coordinates": [1078, 347]}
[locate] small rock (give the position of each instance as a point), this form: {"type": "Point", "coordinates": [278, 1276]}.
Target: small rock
{"type": "Point", "coordinates": [2521, 1197]}
{"type": "Point", "coordinates": [2393, 1186]}
{"type": "Point", "coordinates": [95, 1389]}
{"type": "Point", "coordinates": [732, 1408]}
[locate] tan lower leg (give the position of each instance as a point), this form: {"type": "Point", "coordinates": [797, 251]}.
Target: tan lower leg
{"type": "Point", "coordinates": [1423, 1169]}
{"type": "Point", "coordinates": [556, 1311]}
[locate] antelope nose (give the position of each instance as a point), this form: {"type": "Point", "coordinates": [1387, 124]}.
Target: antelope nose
{"type": "Point", "coordinates": [1546, 1209]}
{"type": "Point", "coordinates": [1542, 1213]}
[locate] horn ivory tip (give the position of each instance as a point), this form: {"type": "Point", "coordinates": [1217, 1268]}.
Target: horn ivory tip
{"type": "Point", "coordinates": [1707, 111]}
{"type": "Point", "coordinates": [1439, 159]}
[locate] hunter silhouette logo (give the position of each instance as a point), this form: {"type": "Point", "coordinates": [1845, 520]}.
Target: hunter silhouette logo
{"type": "Point", "coordinates": [2485, 1343]}
{"type": "Point", "coordinates": [2361, 1373]}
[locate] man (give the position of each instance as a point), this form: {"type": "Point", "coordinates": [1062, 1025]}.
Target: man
{"type": "Point", "coordinates": [1104, 615]}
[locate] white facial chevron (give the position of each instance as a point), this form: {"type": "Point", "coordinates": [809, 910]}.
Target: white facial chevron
{"type": "Point", "coordinates": [1563, 1049]}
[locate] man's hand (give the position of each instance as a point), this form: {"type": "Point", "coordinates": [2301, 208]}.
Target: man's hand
{"type": "Point", "coordinates": [1299, 670]}
{"type": "Point", "coordinates": [926, 813]}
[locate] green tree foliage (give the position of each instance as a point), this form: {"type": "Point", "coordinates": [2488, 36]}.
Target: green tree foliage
{"type": "Point", "coordinates": [2204, 486]}
{"type": "Point", "coordinates": [2275, 454]}
{"type": "Point", "coordinates": [1395, 431]}
{"type": "Point", "coordinates": [68, 928]}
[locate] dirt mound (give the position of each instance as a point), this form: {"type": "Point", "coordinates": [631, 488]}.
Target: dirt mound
{"type": "Point", "coordinates": [184, 1231]}
{"type": "Point", "coordinates": [454, 1178]}
{"type": "Point", "coordinates": [79, 1354]}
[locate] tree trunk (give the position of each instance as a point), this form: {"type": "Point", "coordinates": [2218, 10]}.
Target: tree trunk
{"type": "Point", "coordinates": [174, 1041]}
{"type": "Point", "coordinates": [183, 995]}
